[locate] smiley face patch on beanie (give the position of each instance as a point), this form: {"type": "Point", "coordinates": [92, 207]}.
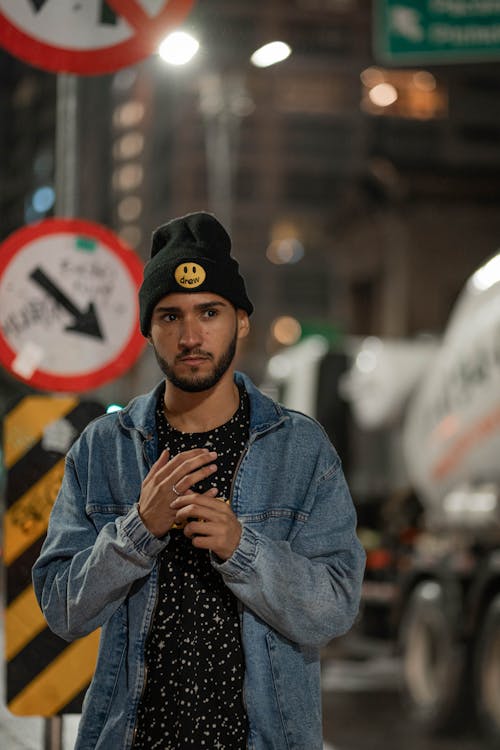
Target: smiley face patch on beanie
{"type": "Point", "coordinates": [190, 275]}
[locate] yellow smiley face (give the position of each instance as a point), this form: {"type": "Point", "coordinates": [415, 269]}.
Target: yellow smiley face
{"type": "Point", "coordinates": [189, 275]}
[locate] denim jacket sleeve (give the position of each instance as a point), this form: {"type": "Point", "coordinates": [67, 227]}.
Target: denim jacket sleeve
{"type": "Point", "coordinates": [84, 572]}
{"type": "Point", "coordinates": [309, 589]}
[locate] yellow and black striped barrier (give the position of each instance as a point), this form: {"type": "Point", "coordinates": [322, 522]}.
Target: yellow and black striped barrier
{"type": "Point", "coordinates": [45, 675]}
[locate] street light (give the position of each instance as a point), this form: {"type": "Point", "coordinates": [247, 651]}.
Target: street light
{"type": "Point", "coordinates": [178, 48]}
{"type": "Point", "coordinates": [270, 54]}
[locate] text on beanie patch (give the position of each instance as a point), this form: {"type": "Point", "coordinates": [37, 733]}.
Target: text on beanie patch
{"type": "Point", "coordinates": [189, 275]}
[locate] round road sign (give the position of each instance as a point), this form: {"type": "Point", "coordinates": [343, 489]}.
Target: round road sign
{"type": "Point", "coordinates": [94, 36]}
{"type": "Point", "coordinates": [68, 305]}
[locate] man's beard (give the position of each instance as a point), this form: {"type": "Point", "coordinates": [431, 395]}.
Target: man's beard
{"type": "Point", "coordinates": [196, 383]}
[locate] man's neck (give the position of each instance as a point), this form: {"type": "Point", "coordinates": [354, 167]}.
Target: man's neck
{"type": "Point", "coordinates": [203, 411]}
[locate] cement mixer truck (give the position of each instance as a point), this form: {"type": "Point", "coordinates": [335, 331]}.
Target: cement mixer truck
{"type": "Point", "coordinates": [433, 544]}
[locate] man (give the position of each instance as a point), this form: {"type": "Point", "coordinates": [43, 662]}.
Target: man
{"type": "Point", "coordinates": [206, 529]}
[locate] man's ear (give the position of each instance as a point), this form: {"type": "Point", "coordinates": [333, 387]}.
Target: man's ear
{"type": "Point", "coordinates": [243, 323]}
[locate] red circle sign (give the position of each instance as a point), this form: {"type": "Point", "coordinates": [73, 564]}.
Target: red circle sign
{"type": "Point", "coordinates": [90, 37]}
{"type": "Point", "coordinates": [68, 305]}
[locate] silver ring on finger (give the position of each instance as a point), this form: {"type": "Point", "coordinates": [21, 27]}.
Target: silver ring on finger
{"type": "Point", "coordinates": [175, 491]}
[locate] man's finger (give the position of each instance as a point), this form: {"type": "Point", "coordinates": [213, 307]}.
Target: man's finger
{"type": "Point", "coordinates": [195, 511]}
{"type": "Point", "coordinates": [205, 499]}
{"type": "Point", "coordinates": [184, 483]}
{"type": "Point", "coordinates": [174, 468]}
{"type": "Point", "coordinates": [160, 463]}
{"type": "Point", "coordinates": [197, 528]}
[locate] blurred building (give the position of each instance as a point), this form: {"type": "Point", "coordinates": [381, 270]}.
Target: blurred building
{"type": "Point", "coordinates": [359, 196]}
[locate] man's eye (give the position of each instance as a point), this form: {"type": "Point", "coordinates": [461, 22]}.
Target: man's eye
{"type": "Point", "coordinates": [210, 313]}
{"type": "Point", "coordinates": [170, 317]}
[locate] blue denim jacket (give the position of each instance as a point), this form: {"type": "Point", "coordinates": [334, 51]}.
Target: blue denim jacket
{"type": "Point", "coordinates": [296, 572]}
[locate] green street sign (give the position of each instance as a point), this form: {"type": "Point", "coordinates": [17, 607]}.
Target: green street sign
{"type": "Point", "coordinates": [439, 31]}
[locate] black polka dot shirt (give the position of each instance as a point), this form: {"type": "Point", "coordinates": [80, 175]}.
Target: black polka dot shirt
{"type": "Point", "coordinates": [195, 666]}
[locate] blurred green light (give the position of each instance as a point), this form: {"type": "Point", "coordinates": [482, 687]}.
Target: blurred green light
{"type": "Point", "coordinates": [113, 407]}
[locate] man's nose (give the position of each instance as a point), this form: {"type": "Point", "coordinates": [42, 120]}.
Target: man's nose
{"type": "Point", "coordinates": [190, 334]}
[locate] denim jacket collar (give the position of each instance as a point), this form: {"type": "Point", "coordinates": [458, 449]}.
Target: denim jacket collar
{"type": "Point", "coordinates": [265, 414]}
{"type": "Point", "coordinates": [139, 414]}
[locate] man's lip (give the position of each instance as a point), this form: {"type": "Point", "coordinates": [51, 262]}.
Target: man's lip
{"type": "Point", "coordinates": [193, 359]}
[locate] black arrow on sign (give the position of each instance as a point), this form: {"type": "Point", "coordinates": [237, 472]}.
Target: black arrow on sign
{"type": "Point", "coordinates": [85, 321]}
{"type": "Point", "coordinates": [108, 15]}
{"type": "Point", "coordinates": [38, 4]}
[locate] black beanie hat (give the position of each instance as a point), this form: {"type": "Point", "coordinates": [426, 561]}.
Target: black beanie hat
{"type": "Point", "coordinates": [190, 254]}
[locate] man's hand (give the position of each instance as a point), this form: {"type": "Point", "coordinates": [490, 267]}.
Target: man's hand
{"type": "Point", "coordinates": [169, 478]}
{"type": "Point", "coordinates": [215, 526]}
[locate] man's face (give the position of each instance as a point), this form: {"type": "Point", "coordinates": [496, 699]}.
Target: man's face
{"type": "Point", "coordinates": [194, 337]}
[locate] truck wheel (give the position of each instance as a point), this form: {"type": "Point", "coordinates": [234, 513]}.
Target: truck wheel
{"type": "Point", "coordinates": [433, 660]}
{"type": "Point", "coordinates": [487, 673]}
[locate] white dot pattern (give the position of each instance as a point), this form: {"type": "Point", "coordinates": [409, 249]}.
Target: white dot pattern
{"type": "Point", "coordinates": [195, 665]}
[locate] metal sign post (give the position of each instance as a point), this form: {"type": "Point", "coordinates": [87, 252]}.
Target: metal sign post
{"type": "Point", "coordinates": [67, 146]}
{"type": "Point", "coordinates": [53, 733]}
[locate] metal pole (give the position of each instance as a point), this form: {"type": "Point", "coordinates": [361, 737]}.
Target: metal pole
{"type": "Point", "coordinates": [66, 183]}
{"type": "Point", "coordinates": [53, 733]}
{"type": "Point", "coordinates": [66, 169]}
{"type": "Point", "coordinates": [223, 102]}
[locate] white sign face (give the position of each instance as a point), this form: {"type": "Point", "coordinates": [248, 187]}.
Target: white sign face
{"type": "Point", "coordinates": [87, 36]}
{"type": "Point", "coordinates": [68, 305]}
{"type": "Point", "coordinates": [76, 25]}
